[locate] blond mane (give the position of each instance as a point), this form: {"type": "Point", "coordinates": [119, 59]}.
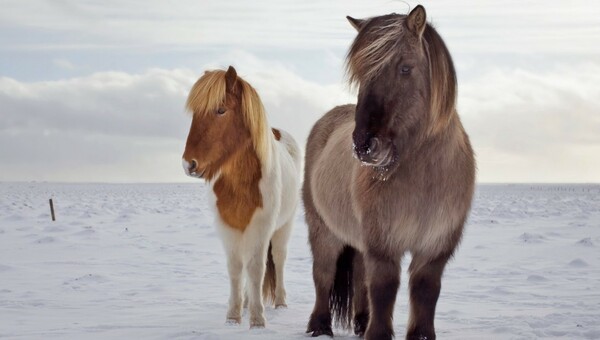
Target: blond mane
{"type": "Point", "coordinates": [209, 93]}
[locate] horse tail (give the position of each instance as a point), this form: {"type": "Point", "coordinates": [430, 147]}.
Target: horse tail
{"type": "Point", "coordinates": [270, 281]}
{"type": "Point", "coordinates": [342, 293]}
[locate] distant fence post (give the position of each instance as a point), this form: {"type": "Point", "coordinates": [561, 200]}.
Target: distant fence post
{"type": "Point", "coordinates": [52, 210]}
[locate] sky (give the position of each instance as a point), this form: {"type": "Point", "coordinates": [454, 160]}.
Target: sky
{"type": "Point", "coordinates": [94, 91]}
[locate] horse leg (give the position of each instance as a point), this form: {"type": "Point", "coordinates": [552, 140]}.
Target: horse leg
{"type": "Point", "coordinates": [279, 243]}
{"type": "Point", "coordinates": [326, 249]}
{"type": "Point", "coordinates": [361, 300]}
{"type": "Point", "coordinates": [235, 267]}
{"type": "Point", "coordinates": [383, 280]}
{"type": "Point", "coordinates": [246, 297]}
{"type": "Point", "coordinates": [255, 269]}
{"type": "Point", "coordinates": [425, 285]}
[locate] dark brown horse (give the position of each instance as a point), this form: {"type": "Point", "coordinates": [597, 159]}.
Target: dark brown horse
{"type": "Point", "coordinates": [391, 175]}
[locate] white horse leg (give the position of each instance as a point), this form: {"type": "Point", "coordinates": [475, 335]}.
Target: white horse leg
{"type": "Point", "coordinates": [246, 297]}
{"type": "Point", "coordinates": [255, 268]}
{"type": "Point", "coordinates": [235, 266]}
{"type": "Point", "coordinates": [279, 243]}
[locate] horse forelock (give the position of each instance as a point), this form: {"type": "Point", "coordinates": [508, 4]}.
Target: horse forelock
{"type": "Point", "coordinates": [379, 42]}
{"type": "Point", "coordinates": [209, 93]}
{"type": "Point", "coordinates": [375, 45]}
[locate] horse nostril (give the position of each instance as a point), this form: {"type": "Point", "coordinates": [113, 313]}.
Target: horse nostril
{"type": "Point", "coordinates": [374, 144]}
{"type": "Point", "coordinates": [193, 165]}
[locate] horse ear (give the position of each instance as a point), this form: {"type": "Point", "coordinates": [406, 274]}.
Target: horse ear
{"type": "Point", "coordinates": [356, 23]}
{"type": "Point", "coordinates": [417, 20]}
{"type": "Point", "coordinates": [230, 79]}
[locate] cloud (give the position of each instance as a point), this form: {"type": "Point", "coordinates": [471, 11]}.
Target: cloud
{"type": "Point", "coordinates": [115, 126]}
{"type": "Point", "coordinates": [110, 103]}
{"type": "Point", "coordinates": [470, 26]}
{"type": "Point", "coordinates": [104, 127]}
{"type": "Point", "coordinates": [292, 102]}
{"type": "Point", "coordinates": [64, 64]}
{"type": "Point", "coordinates": [535, 127]}
{"type": "Point", "coordinates": [185, 24]}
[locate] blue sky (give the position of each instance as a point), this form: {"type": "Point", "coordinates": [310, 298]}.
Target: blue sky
{"type": "Point", "coordinates": [95, 90]}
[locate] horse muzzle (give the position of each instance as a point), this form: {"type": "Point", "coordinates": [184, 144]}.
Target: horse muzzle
{"type": "Point", "coordinates": [191, 168]}
{"type": "Point", "coordinates": [374, 152]}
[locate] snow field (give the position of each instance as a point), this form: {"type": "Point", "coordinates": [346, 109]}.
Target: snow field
{"type": "Point", "coordinates": [143, 261]}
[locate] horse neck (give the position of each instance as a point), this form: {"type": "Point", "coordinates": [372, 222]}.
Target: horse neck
{"type": "Point", "coordinates": [421, 139]}
{"type": "Point", "coordinates": [448, 140]}
{"type": "Point", "coordinates": [238, 188]}
{"type": "Point", "coordinates": [243, 167]}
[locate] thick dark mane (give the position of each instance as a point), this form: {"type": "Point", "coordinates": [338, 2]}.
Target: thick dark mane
{"type": "Point", "coordinates": [443, 79]}
{"type": "Point", "coordinates": [383, 39]}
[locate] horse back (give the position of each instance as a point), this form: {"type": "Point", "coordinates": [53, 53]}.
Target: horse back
{"type": "Point", "coordinates": [321, 131]}
{"type": "Point", "coordinates": [291, 147]}
{"type": "Point", "coordinates": [286, 181]}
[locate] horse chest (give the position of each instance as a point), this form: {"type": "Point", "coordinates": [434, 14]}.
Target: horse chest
{"type": "Point", "coordinates": [237, 204]}
{"type": "Point", "coordinates": [404, 219]}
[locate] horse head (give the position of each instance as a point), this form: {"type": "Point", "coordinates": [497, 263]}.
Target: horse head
{"type": "Point", "coordinates": [406, 84]}
{"type": "Point", "coordinates": [218, 126]}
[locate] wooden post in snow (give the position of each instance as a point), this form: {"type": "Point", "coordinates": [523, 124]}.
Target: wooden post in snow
{"type": "Point", "coordinates": [52, 210]}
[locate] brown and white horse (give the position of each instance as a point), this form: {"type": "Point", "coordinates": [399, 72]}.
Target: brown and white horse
{"type": "Point", "coordinates": [393, 174]}
{"type": "Point", "coordinates": [254, 172]}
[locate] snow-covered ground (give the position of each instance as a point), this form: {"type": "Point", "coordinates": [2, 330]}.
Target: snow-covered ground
{"type": "Point", "coordinates": [144, 262]}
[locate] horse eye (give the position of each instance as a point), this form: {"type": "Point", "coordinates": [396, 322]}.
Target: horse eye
{"type": "Point", "coordinates": [221, 111]}
{"type": "Point", "coordinates": [405, 69]}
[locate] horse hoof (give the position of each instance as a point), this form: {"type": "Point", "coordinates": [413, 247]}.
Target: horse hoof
{"type": "Point", "coordinates": [320, 324]}
{"type": "Point", "coordinates": [419, 336]}
{"type": "Point", "coordinates": [360, 324]}
{"type": "Point", "coordinates": [234, 321]}
{"type": "Point", "coordinates": [359, 329]}
{"type": "Point", "coordinates": [258, 322]}
{"type": "Point", "coordinates": [319, 332]}
{"type": "Point", "coordinates": [379, 335]}
{"type": "Point", "coordinates": [280, 306]}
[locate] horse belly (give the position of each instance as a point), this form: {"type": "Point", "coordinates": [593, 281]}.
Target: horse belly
{"type": "Point", "coordinates": [426, 221]}
{"type": "Point", "coordinates": [430, 237]}
{"type": "Point", "coordinates": [330, 187]}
